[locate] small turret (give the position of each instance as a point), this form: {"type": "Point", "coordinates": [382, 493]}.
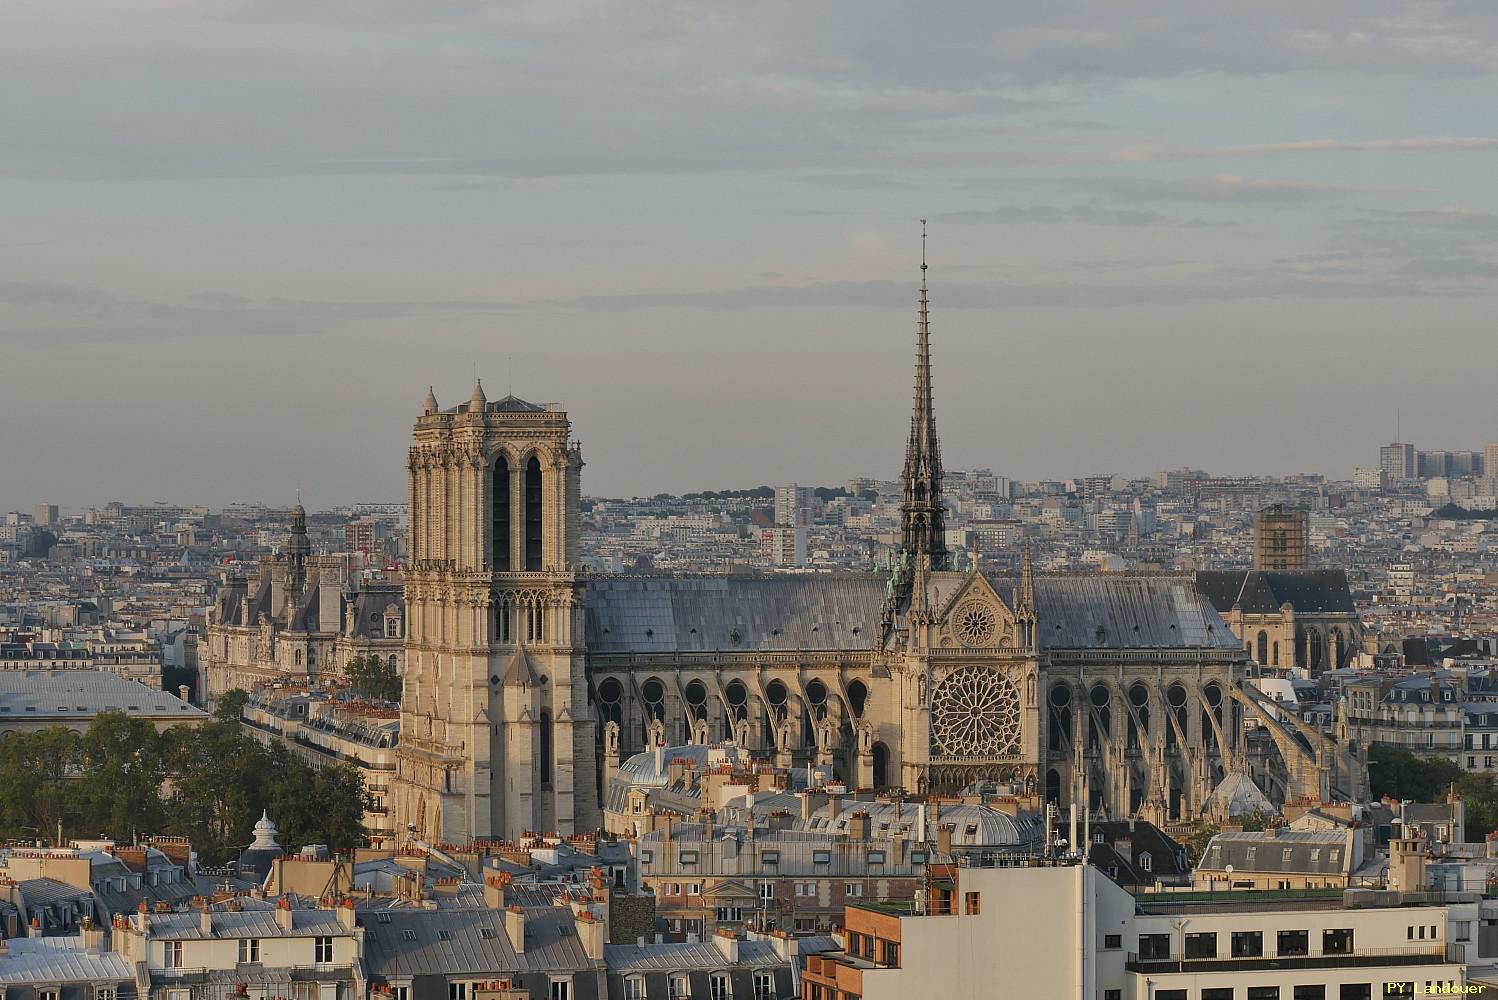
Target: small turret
{"type": "Point", "coordinates": [478, 402]}
{"type": "Point", "coordinates": [297, 550]}
{"type": "Point", "coordinates": [429, 405]}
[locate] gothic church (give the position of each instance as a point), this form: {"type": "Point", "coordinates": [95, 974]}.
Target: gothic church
{"type": "Point", "coordinates": [527, 680]}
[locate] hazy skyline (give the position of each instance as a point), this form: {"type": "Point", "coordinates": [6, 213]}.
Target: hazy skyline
{"type": "Point", "coordinates": [241, 238]}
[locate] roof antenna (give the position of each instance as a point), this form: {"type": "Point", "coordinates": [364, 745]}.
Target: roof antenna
{"type": "Point", "coordinates": [923, 251]}
{"type": "Point", "coordinates": [510, 360]}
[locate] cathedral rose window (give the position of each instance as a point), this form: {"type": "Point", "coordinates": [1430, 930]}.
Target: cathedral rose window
{"type": "Point", "coordinates": [976, 713]}
{"type": "Point", "coordinates": [975, 624]}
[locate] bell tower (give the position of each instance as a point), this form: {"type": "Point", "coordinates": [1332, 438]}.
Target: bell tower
{"type": "Point", "coordinates": [494, 709]}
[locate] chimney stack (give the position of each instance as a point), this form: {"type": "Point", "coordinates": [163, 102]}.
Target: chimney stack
{"type": "Point", "coordinates": [590, 933]}
{"type": "Point", "coordinates": [515, 928]}
{"type": "Point", "coordinates": [728, 944]}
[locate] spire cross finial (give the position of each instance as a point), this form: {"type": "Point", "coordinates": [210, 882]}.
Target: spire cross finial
{"type": "Point", "coordinates": [923, 251]}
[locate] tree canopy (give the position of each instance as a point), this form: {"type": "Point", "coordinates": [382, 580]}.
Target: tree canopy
{"type": "Point", "coordinates": [373, 678]}
{"type": "Point", "coordinates": [121, 778]}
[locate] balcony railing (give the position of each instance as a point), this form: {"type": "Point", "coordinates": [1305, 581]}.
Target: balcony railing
{"type": "Point", "coordinates": [296, 972]}
{"type": "Point", "coordinates": [1431, 954]}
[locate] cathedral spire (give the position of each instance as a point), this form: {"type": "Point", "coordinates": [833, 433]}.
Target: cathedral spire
{"type": "Point", "coordinates": [922, 520]}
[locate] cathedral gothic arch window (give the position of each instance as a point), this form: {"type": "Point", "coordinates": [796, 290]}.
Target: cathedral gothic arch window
{"type": "Point", "coordinates": [816, 696]}
{"type": "Point", "coordinates": [533, 502]}
{"type": "Point", "coordinates": [696, 696]}
{"type": "Point", "coordinates": [777, 695]}
{"type": "Point", "coordinates": [1058, 733]}
{"type": "Point", "coordinates": [858, 697]}
{"type": "Point", "coordinates": [610, 700]}
{"type": "Point", "coordinates": [500, 522]}
{"type": "Point", "coordinates": [738, 699]}
{"type": "Point", "coordinates": [653, 691]}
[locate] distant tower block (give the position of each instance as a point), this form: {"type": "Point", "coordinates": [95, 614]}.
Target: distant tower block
{"type": "Point", "coordinates": [1282, 538]}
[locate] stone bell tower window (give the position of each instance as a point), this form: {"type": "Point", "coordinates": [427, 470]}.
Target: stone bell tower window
{"type": "Point", "coordinates": [533, 515]}
{"type": "Point", "coordinates": [501, 535]}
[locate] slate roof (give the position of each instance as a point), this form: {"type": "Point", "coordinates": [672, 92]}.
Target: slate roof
{"type": "Point", "coordinates": [680, 957]}
{"type": "Point", "coordinates": [1135, 612]}
{"type": "Point", "coordinates": [46, 891]}
{"type": "Point", "coordinates": [58, 960]}
{"type": "Point", "coordinates": [62, 695]}
{"type": "Point", "coordinates": [1167, 856]}
{"type": "Point", "coordinates": [843, 612]}
{"type": "Point", "coordinates": [1301, 852]}
{"type": "Point", "coordinates": [405, 943]}
{"type": "Point", "coordinates": [507, 404]}
{"type": "Point", "coordinates": [1238, 795]}
{"type": "Point", "coordinates": [1259, 592]}
{"type": "Point", "coordinates": [256, 923]}
{"type": "Point", "coordinates": [705, 613]}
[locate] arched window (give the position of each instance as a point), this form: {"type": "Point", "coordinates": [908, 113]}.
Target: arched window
{"type": "Point", "coordinates": [1275, 653]}
{"type": "Point", "coordinates": [500, 551]}
{"type": "Point", "coordinates": [881, 765]}
{"type": "Point", "coordinates": [390, 661]}
{"type": "Point", "coordinates": [502, 613]}
{"type": "Point", "coordinates": [533, 514]}
{"type": "Point", "coordinates": [535, 621]}
{"type": "Point", "coordinates": [1263, 656]}
{"type": "Point", "coordinates": [311, 657]}
{"type": "Point", "coordinates": [296, 657]}
{"type": "Point", "coordinates": [545, 747]}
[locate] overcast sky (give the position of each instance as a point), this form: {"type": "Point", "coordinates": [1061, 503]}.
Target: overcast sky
{"type": "Point", "coordinates": [241, 238]}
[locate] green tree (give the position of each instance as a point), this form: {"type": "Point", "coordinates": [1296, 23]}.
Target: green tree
{"type": "Point", "coordinates": [1255, 821]}
{"type": "Point", "coordinates": [1479, 794]}
{"type": "Point", "coordinates": [230, 705]}
{"type": "Point", "coordinates": [1396, 772]}
{"type": "Point", "coordinates": [1196, 844]}
{"type": "Point", "coordinates": [123, 768]}
{"type": "Point", "coordinates": [219, 781]}
{"type": "Point", "coordinates": [373, 678]}
{"type": "Point", "coordinates": [38, 776]}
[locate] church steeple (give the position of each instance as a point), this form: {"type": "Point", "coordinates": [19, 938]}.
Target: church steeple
{"type": "Point", "coordinates": [922, 520]}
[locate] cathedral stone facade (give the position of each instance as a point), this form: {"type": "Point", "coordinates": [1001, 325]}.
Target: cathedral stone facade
{"type": "Point", "coordinates": [528, 681]}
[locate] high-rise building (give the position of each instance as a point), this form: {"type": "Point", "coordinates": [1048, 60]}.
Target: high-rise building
{"type": "Point", "coordinates": [44, 515]}
{"type": "Point", "coordinates": [363, 534]}
{"type": "Point", "coordinates": [1281, 538]}
{"type": "Point", "coordinates": [1490, 460]}
{"type": "Point", "coordinates": [784, 544]}
{"type": "Point", "coordinates": [1399, 461]}
{"type": "Point", "coordinates": [793, 505]}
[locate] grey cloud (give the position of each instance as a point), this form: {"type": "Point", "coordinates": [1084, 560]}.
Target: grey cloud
{"type": "Point", "coordinates": [1089, 214]}
{"type": "Point", "coordinates": [465, 89]}
{"type": "Point", "coordinates": [1234, 188]}
{"type": "Point", "coordinates": [1449, 268]}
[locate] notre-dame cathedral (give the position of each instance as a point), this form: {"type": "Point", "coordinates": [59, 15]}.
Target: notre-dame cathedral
{"type": "Point", "coordinates": [527, 679]}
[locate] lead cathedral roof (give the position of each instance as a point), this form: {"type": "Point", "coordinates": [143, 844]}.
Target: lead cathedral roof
{"type": "Point", "coordinates": [843, 611]}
